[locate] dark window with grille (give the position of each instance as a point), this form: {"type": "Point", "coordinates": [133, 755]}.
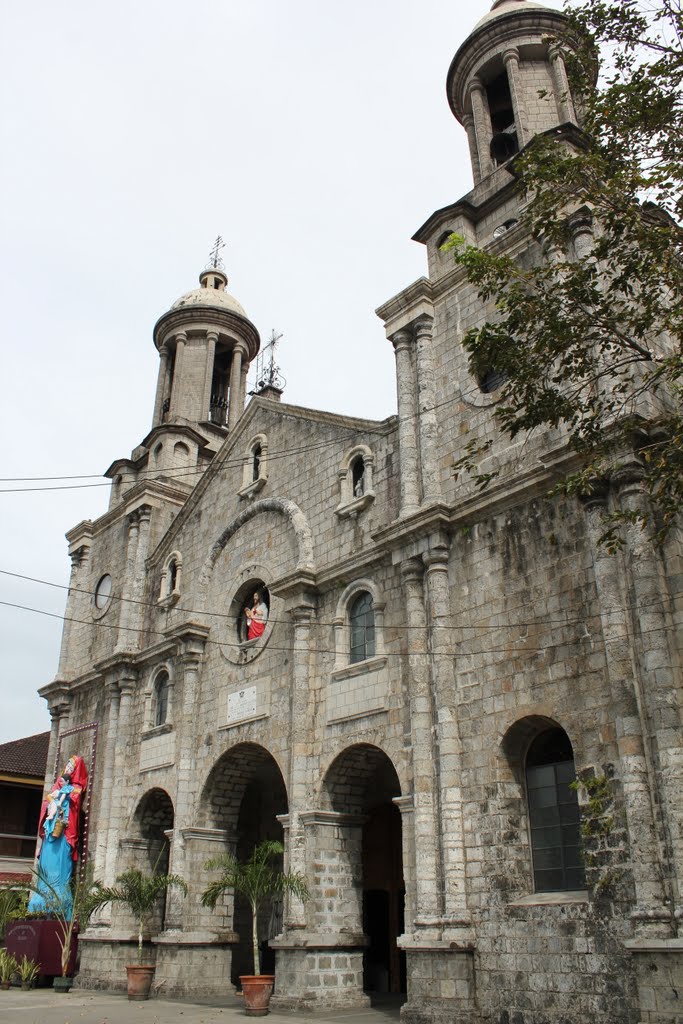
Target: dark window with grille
{"type": "Point", "coordinates": [554, 816]}
{"type": "Point", "coordinates": [161, 698]}
{"type": "Point", "coordinates": [362, 620]}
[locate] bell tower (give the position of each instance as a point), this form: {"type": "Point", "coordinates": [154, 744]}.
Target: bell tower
{"type": "Point", "coordinates": [508, 82]}
{"type": "Point", "coordinates": [206, 344]}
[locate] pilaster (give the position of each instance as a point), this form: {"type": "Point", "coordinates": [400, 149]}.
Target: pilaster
{"type": "Point", "coordinates": [652, 915]}
{"type": "Point", "coordinates": [407, 422]}
{"type": "Point", "coordinates": [428, 425]}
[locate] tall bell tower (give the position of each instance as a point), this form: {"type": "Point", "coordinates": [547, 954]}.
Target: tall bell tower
{"type": "Point", "coordinates": [508, 82]}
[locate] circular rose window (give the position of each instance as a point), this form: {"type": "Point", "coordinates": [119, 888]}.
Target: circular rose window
{"type": "Point", "coordinates": [103, 592]}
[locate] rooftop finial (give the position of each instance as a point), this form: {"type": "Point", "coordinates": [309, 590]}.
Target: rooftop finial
{"type": "Point", "coordinates": [215, 259]}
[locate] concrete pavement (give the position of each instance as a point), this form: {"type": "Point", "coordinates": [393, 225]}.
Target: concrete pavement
{"type": "Point", "coordinates": [43, 1006]}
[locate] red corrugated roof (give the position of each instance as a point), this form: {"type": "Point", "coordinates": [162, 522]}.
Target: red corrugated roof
{"type": "Point", "coordinates": [27, 756]}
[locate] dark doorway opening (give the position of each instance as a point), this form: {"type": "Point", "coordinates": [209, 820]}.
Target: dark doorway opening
{"type": "Point", "coordinates": [384, 964]}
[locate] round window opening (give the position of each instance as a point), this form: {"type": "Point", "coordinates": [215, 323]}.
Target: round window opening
{"type": "Point", "coordinates": [251, 608]}
{"type": "Point", "coordinates": [103, 592]}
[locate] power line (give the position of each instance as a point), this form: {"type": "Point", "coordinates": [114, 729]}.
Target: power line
{"type": "Point", "coordinates": [524, 623]}
{"type": "Point", "coordinates": [291, 649]}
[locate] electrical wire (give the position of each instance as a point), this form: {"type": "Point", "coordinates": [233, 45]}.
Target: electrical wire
{"type": "Point", "coordinates": [308, 649]}
{"type": "Point", "coordinates": [525, 623]}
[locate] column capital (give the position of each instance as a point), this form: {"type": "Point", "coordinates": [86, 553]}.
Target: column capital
{"type": "Point", "coordinates": [402, 339]}
{"type": "Point", "coordinates": [595, 499]}
{"type": "Point", "coordinates": [436, 558]}
{"type": "Point", "coordinates": [79, 557]}
{"type": "Point", "coordinates": [511, 53]}
{"type": "Point", "coordinates": [423, 326]}
{"type": "Point", "coordinates": [302, 614]}
{"type": "Point", "coordinates": [475, 85]}
{"type": "Point", "coordinates": [180, 337]}
{"type": "Point", "coordinates": [212, 335]}
{"type": "Point", "coordinates": [412, 570]}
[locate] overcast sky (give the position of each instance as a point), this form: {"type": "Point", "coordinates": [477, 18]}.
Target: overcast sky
{"type": "Point", "coordinates": [313, 135]}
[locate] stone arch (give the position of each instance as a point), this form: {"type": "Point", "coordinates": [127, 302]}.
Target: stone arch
{"type": "Point", "coordinates": [242, 801]}
{"type": "Point", "coordinates": [358, 776]}
{"type": "Point", "coordinates": [227, 782]}
{"type": "Point", "coordinates": [152, 818]}
{"type": "Point", "coordinates": [360, 824]}
{"type": "Point", "coordinates": [520, 734]}
{"type": "Point", "coordinates": [282, 506]}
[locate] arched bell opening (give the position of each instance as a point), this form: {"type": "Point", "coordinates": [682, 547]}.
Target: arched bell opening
{"type": "Point", "coordinates": [242, 799]}
{"type": "Point", "coordinates": [361, 786]}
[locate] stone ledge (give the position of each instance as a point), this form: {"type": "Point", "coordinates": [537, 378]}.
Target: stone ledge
{"type": "Point", "coordinates": [653, 945]}
{"type": "Point", "coordinates": [198, 938]}
{"type": "Point", "coordinates": [551, 899]}
{"type": "Point", "coordinates": [320, 940]}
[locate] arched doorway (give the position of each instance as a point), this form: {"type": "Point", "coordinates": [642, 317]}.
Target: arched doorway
{"type": "Point", "coordinates": [362, 783]}
{"type": "Point", "coordinates": [243, 796]}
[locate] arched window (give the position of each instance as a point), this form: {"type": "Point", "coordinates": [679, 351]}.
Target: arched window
{"type": "Point", "coordinates": [554, 817]}
{"type": "Point", "coordinates": [362, 628]}
{"type": "Point", "coordinates": [254, 467]}
{"type": "Point", "coordinates": [355, 481]}
{"type": "Point", "coordinates": [161, 686]}
{"type": "Point", "coordinates": [173, 575]}
{"type": "Point", "coordinates": [358, 477]}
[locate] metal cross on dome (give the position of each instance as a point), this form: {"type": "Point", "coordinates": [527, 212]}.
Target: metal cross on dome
{"type": "Point", "coordinates": [215, 259]}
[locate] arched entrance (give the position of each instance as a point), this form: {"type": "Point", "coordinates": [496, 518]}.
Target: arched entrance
{"type": "Point", "coordinates": [148, 845]}
{"type": "Point", "coordinates": [243, 797]}
{"type": "Point", "coordinates": [362, 783]}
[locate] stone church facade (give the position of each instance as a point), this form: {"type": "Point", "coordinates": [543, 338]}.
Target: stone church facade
{"type": "Point", "coordinates": [438, 666]}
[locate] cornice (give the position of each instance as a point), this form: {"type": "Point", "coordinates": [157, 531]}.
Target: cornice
{"type": "Point", "coordinates": [208, 317]}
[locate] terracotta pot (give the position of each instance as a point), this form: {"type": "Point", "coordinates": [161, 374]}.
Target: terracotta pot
{"type": "Point", "coordinates": [139, 980]}
{"type": "Point", "coordinates": [257, 990]}
{"type": "Point", "coordinates": [5, 984]}
{"type": "Point", "coordinates": [60, 984]}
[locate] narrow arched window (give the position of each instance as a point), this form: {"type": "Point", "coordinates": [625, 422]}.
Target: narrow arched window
{"type": "Point", "coordinates": [161, 698]}
{"type": "Point", "coordinates": [256, 463]}
{"type": "Point", "coordinates": [554, 817]}
{"type": "Point", "coordinates": [358, 477]}
{"type": "Point", "coordinates": [362, 623]}
{"type": "Point", "coordinates": [173, 576]}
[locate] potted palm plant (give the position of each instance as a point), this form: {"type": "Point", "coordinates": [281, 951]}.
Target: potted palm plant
{"type": "Point", "coordinates": [139, 892]}
{"type": "Point", "coordinates": [258, 879]}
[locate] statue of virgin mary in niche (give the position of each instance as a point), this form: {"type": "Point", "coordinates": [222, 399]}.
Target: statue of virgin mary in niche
{"type": "Point", "coordinates": [59, 828]}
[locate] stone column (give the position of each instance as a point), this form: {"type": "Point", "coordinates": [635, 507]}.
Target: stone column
{"type": "Point", "coordinates": [161, 386]}
{"type": "Point", "coordinates": [106, 772]}
{"type": "Point", "coordinates": [407, 423]}
{"type": "Point", "coordinates": [563, 96]}
{"type": "Point", "coordinates": [124, 640]}
{"type": "Point", "coordinates": [468, 125]}
{"type": "Point", "coordinates": [127, 678]}
{"type": "Point", "coordinates": [406, 808]}
{"type": "Point", "coordinates": [323, 966]}
{"type": "Point", "coordinates": [211, 339]}
{"type": "Point", "coordinates": [427, 903]}
{"type": "Point", "coordinates": [59, 708]}
{"type": "Point", "coordinates": [448, 755]}
{"type": "Point", "coordinates": [176, 407]}
{"type": "Point", "coordinates": [659, 668]}
{"type": "Point", "coordinates": [234, 408]}
{"type": "Point", "coordinates": [79, 561]}
{"type": "Point", "coordinates": [187, 784]}
{"type": "Point", "coordinates": [482, 126]}
{"type": "Point", "coordinates": [428, 427]}
{"type": "Point", "coordinates": [136, 611]}
{"type": "Point", "coordinates": [300, 771]}
{"type": "Point", "coordinates": [511, 62]}
{"type": "Point", "coordinates": [243, 386]}
{"type": "Point", "coordinates": [652, 916]}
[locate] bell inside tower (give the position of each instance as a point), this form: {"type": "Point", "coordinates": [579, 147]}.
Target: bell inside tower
{"type": "Point", "coordinates": [504, 142]}
{"type": "Point", "coordinates": [220, 385]}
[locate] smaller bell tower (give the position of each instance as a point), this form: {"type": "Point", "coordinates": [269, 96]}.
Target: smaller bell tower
{"type": "Point", "coordinates": [206, 344]}
{"type": "Point", "coordinates": [508, 82]}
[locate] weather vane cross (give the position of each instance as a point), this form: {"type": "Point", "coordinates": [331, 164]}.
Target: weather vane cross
{"type": "Point", "coordinates": [214, 255]}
